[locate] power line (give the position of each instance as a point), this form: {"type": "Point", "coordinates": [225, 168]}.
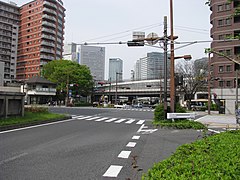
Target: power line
{"type": "Point", "coordinates": [127, 31]}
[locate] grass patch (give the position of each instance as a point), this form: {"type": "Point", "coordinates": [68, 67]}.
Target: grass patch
{"type": "Point", "coordinates": [214, 157]}
{"type": "Point", "coordinates": [180, 124]}
{"type": "Point", "coordinates": [30, 117]}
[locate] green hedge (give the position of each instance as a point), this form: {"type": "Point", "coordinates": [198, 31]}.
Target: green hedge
{"type": "Point", "coordinates": [215, 157]}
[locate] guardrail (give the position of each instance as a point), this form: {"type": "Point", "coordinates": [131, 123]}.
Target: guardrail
{"type": "Point", "coordinates": [181, 116]}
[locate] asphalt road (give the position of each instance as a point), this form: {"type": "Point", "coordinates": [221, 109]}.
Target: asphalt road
{"type": "Point", "coordinates": [86, 148]}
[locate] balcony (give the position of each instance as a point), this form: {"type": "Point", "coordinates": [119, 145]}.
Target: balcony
{"type": "Point", "coordinates": [46, 43]}
{"type": "Point", "coordinates": [48, 37]}
{"type": "Point", "coordinates": [52, 18]}
{"type": "Point", "coordinates": [44, 23]}
{"type": "Point", "coordinates": [46, 57]}
{"type": "Point", "coordinates": [5, 40]}
{"type": "Point", "coordinates": [49, 4]}
{"type": "Point", "coordinates": [50, 11]}
{"type": "Point", "coordinates": [46, 50]}
{"type": "Point", "coordinates": [47, 30]}
{"type": "Point", "coordinates": [5, 53]}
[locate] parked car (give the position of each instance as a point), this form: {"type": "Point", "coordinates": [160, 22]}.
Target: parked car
{"type": "Point", "coordinates": [95, 104]}
{"type": "Point", "coordinates": [138, 105]}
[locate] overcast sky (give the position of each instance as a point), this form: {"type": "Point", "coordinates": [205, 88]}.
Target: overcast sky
{"type": "Point", "coordinates": [115, 20]}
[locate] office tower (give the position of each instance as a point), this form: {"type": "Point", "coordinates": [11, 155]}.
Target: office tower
{"type": "Point", "coordinates": [150, 67]}
{"type": "Point", "coordinates": [70, 52]}
{"type": "Point", "coordinates": [9, 20]}
{"type": "Point", "coordinates": [40, 36]}
{"type": "Point", "coordinates": [115, 69]}
{"type": "Point", "coordinates": [94, 58]}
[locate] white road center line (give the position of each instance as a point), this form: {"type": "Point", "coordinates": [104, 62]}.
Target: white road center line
{"type": "Point", "coordinates": [92, 118]}
{"type": "Point", "coordinates": [131, 144]}
{"type": "Point", "coordinates": [101, 119]}
{"type": "Point", "coordinates": [130, 121]}
{"type": "Point", "coordinates": [113, 171]}
{"type": "Point", "coordinates": [136, 137]}
{"type": "Point", "coordinates": [140, 121]}
{"type": "Point", "coordinates": [124, 154]}
{"type": "Point", "coordinates": [120, 120]}
{"type": "Point", "coordinates": [110, 120]}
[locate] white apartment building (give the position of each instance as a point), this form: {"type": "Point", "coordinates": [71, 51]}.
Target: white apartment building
{"type": "Point", "coordinates": [9, 20]}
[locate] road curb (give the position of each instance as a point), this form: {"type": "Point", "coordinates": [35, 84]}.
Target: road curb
{"type": "Point", "coordinates": [16, 126]}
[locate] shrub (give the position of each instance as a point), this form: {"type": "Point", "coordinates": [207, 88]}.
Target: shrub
{"type": "Point", "coordinates": [214, 157]}
{"type": "Point", "coordinates": [36, 109]}
{"type": "Point", "coordinates": [159, 113]}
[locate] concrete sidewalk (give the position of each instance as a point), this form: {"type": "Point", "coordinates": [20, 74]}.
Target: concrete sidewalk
{"type": "Point", "coordinates": [219, 121]}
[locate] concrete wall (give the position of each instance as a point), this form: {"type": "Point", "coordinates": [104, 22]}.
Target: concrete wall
{"type": "Point", "coordinates": [11, 104]}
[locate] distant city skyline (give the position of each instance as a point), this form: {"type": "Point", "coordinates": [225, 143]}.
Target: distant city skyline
{"type": "Point", "coordinates": [114, 21]}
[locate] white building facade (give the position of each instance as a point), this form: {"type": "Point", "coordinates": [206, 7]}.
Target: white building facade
{"type": "Point", "coordinates": [115, 66]}
{"type": "Point", "coordinates": [150, 67]}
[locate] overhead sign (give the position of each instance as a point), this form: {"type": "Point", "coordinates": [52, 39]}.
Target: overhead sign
{"type": "Point", "coordinates": [138, 35]}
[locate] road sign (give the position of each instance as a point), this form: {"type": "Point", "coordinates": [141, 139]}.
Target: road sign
{"type": "Point", "coordinates": [152, 38]}
{"type": "Point", "coordinates": [138, 35]}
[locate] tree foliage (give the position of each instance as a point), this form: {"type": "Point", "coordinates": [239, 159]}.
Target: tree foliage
{"type": "Point", "coordinates": [64, 72]}
{"type": "Point", "coordinates": [194, 77]}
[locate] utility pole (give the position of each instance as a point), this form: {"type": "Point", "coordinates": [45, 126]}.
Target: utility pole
{"type": "Point", "coordinates": [209, 84]}
{"type": "Point", "coordinates": [172, 77]}
{"type": "Point", "coordinates": [165, 66]}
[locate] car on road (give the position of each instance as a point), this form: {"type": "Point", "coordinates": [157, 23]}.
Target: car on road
{"type": "Point", "coordinates": [138, 105]}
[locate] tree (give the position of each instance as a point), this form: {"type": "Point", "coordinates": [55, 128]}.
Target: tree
{"type": "Point", "coordinates": [66, 72]}
{"type": "Point", "coordinates": [194, 78]}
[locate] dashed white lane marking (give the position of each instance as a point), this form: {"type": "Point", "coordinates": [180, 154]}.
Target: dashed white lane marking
{"type": "Point", "coordinates": [85, 117]}
{"type": "Point", "coordinates": [113, 171]}
{"type": "Point", "coordinates": [136, 137]}
{"type": "Point", "coordinates": [102, 119]}
{"type": "Point", "coordinates": [120, 120]}
{"type": "Point", "coordinates": [212, 130]}
{"type": "Point", "coordinates": [13, 158]}
{"type": "Point", "coordinates": [140, 121]}
{"type": "Point", "coordinates": [131, 144]}
{"type": "Point", "coordinates": [92, 118]}
{"type": "Point", "coordinates": [110, 120]}
{"type": "Point", "coordinates": [124, 154]}
{"type": "Point", "coordinates": [130, 121]}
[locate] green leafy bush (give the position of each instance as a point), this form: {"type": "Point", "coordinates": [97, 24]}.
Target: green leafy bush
{"type": "Point", "coordinates": [36, 109]}
{"type": "Point", "coordinates": [214, 157]}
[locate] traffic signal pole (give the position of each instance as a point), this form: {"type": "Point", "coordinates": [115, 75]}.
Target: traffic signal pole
{"type": "Point", "coordinates": [165, 66]}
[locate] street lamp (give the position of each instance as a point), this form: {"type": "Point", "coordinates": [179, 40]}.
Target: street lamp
{"type": "Point", "coordinates": [117, 73]}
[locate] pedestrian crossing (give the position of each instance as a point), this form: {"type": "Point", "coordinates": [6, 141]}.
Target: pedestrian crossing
{"type": "Point", "coordinates": [136, 109]}
{"type": "Point", "coordinates": [109, 119]}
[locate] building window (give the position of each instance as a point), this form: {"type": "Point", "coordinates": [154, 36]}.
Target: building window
{"type": "Point", "coordinates": [220, 69]}
{"type": "Point", "coordinates": [228, 21]}
{"type": "Point", "coordinates": [228, 68]}
{"type": "Point", "coordinates": [228, 52]}
{"type": "Point", "coordinates": [220, 22]}
{"type": "Point", "coordinates": [227, 6]}
{"type": "Point", "coordinates": [221, 83]}
{"type": "Point", "coordinates": [221, 37]}
{"type": "Point", "coordinates": [220, 8]}
{"type": "Point", "coordinates": [228, 83]}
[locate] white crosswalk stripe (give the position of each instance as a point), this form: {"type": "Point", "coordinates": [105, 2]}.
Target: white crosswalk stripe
{"type": "Point", "coordinates": [85, 117]}
{"type": "Point", "coordinates": [92, 118]}
{"type": "Point", "coordinates": [140, 121]}
{"type": "Point", "coordinates": [120, 120]}
{"type": "Point", "coordinates": [102, 119]}
{"type": "Point", "coordinates": [108, 119]}
{"type": "Point", "coordinates": [111, 120]}
{"type": "Point", "coordinates": [130, 121]}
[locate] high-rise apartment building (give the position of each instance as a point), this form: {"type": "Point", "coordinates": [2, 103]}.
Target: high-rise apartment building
{"type": "Point", "coordinates": [115, 69]}
{"type": "Point", "coordinates": [150, 67]}
{"type": "Point", "coordinates": [9, 23]}
{"type": "Point", "coordinates": [94, 58]}
{"type": "Point", "coordinates": [225, 26]}
{"type": "Point", "coordinates": [40, 36]}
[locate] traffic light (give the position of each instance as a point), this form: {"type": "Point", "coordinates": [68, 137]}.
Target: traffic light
{"type": "Point", "coordinates": [134, 43]}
